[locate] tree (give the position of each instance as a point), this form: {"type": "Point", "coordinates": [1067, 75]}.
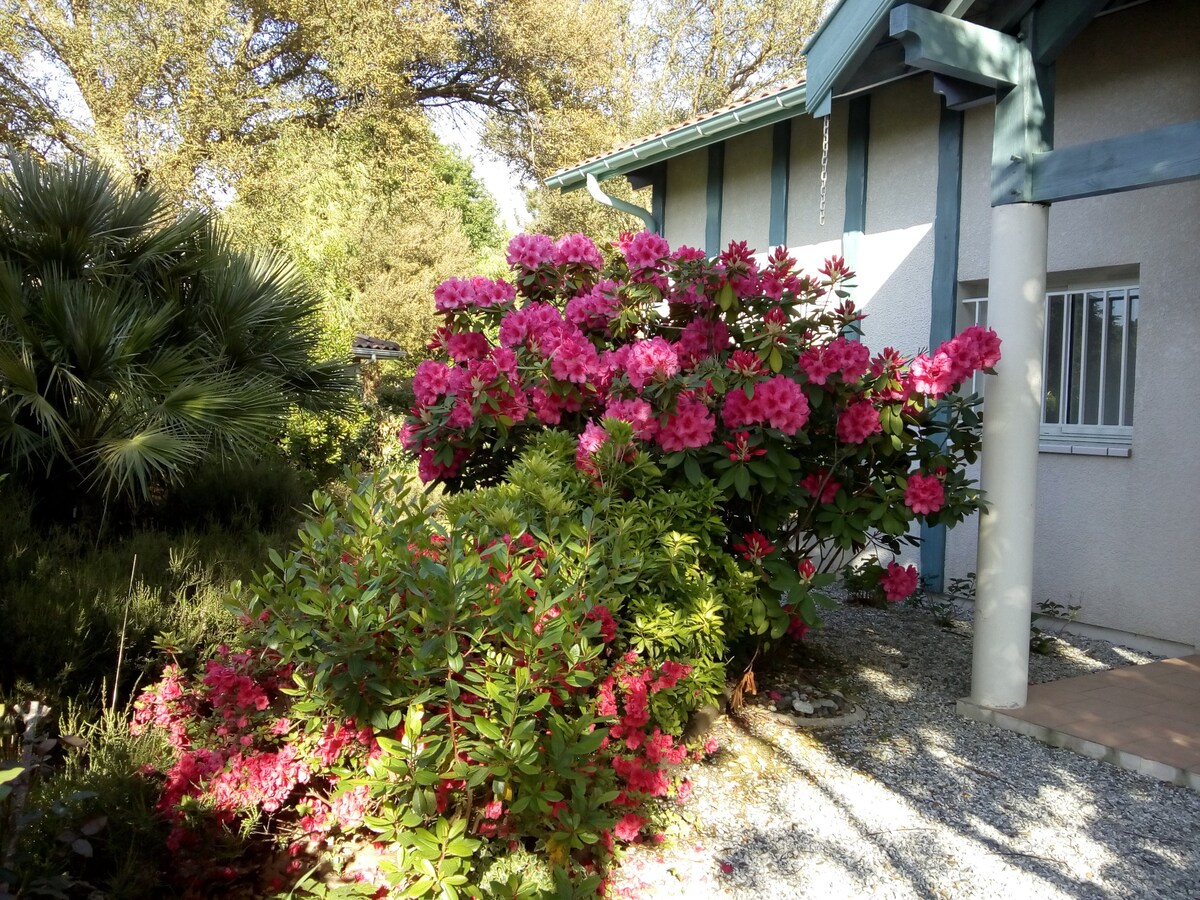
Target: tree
{"type": "Point", "coordinates": [188, 91]}
{"type": "Point", "coordinates": [675, 60]}
{"type": "Point", "coordinates": [135, 343]}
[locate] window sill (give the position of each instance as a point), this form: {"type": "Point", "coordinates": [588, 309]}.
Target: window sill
{"type": "Point", "coordinates": [1084, 450]}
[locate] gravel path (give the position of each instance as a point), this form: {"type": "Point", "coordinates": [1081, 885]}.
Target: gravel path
{"type": "Point", "coordinates": [917, 802]}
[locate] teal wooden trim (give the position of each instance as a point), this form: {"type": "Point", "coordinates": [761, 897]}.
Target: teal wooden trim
{"type": "Point", "coordinates": [948, 46]}
{"type": "Point", "coordinates": [858, 140]}
{"type": "Point", "coordinates": [617, 203]}
{"type": "Point", "coordinates": [1058, 23]}
{"type": "Point", "coordinates": [732, 123]}
{"type": "Point", "coordinates": [844, 40]}
{"type": "Point", "coordinates": [715, 198]}
{"type": "Point", "coordinates": [947, 219]}
{"type": "Point", "coordinates": [658, 197]}
{"type": "Point", "coordinates": [947, 222]}
{"type": "Point", "coordinates": [781, 167]}
{"type": "Point", "coordinates": [1160, 156]}
{"type": "Point", "coordinates": [1024, 126]}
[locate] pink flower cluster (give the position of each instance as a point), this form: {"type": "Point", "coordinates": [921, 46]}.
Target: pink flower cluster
{"type": "Point", "coordinates": [924, 494]}
{"type": "Point", "coordinates": [898, 581]}
{"type": "Point", "coordinates": [955, 361]}
{"type": "Point", "coordinates": [778, 401]}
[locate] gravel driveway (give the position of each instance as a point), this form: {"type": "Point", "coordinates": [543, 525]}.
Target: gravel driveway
{"type": "Point", "coordinates": [916, 801]}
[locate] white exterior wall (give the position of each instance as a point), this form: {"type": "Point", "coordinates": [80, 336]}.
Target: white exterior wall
{"type": "Point", "coordinates": [746, 198]}
{"type": "Point", "coordinates": [1119, 535]}
{"type": "Point", "coordinates": [687, 200]}
{"type": "Point", "coordinates": [895, 264]}
{"type": "Point", "coordinates": [811, 242]}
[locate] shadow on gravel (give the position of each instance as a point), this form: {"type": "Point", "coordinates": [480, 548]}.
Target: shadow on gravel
{"type": "Point", "coordinates": [1087, 828]}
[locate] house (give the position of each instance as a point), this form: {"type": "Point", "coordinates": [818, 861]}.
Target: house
{"type": "Point", "coordinates": [1032, 164]}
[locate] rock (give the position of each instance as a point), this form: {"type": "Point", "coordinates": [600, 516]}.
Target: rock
{"type": "Point", "coordinates": [825, 704]}
{"type": "Point", "coordinates": [802, 706]}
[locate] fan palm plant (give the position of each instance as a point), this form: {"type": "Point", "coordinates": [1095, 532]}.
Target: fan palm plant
{"type": "Point", "coordinates": [134, 341]}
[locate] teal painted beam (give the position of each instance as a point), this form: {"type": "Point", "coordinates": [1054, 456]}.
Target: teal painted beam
{"type": "Point", "coordinates": [1024, 125]}
{"type": "Point", "coordinates": [781, 167]}
{"type": "Point", "coordinates": [858, 140]}
{"type": "Point", "coordinates": [1160, 156]}
{"type": "Point", "coordinates": [947, 221]}
{"type": "Point", "coordinates": [658, 196]}
{"type": "Point", "coordinates": [948, 46]}
{"type": "Point", "coordinates": [837, 49]}
{"type": "Point", "coordinates": [1059, 22]}
{"type": "Point", "coordinates": [715, 198]}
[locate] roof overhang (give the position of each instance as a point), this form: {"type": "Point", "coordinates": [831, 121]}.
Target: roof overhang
{"type": "Point", "coordinates": [720, 126]}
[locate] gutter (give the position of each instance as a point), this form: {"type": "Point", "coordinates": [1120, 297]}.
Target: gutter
{"type": "Point", "coordinates": [719, 127]}
{"type": "Point", "coordinates": [593, 187]}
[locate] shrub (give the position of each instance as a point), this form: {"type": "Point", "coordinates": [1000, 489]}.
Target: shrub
{"type": "Point", "coordinates": [443, 686]}
{"type": "Point", "coordinates": [730, 369]}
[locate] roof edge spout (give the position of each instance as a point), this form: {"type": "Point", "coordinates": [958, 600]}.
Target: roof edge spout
{"type": "Point", "coordinates": [593, 188]}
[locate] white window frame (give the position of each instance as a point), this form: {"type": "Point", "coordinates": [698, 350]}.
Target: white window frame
{"type": "Point", "coordinates": [1080, 439]}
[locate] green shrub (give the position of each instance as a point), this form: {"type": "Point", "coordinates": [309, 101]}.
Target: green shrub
{"type": "Point", "coordinates": [654, 557]}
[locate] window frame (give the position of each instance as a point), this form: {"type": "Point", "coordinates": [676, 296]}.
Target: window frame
{"type": "Point", "coordinates": [1078, 438]}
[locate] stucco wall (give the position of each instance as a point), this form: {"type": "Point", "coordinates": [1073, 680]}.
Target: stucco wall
{"type": "Point", "coordinates": [1118, 536]}
{"type": "Point", "coordinates": [686, 202]}
{"type": "Point", "coordinates": [746, 203]}
{"type": "Point", "coordinates": [811, 242]}
{"type": "Point", "coordinates": [895, 261]}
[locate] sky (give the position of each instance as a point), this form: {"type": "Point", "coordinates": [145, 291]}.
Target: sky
{"type": "Point", "coordinates": [463, 131]}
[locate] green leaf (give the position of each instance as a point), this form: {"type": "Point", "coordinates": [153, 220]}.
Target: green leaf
{"type": "Point", "coordinates": [487, 729]}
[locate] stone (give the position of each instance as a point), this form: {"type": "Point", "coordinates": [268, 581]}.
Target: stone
{"type": "Point", "coordinates": [802, 706]}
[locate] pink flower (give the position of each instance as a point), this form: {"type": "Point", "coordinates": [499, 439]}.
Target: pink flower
{"type": "Point", "coordinates": [689, 426]}
{"type": "Point", "coordinates": [858, 422]}
{"type": "Point", "coordinates": [577, 249]}
{"type": "Point", "coordinates": [636, 412]}
{"type": "Point", "coordinates": [431, 381]}
{"type": "Point", "coordinates": [629, 826]}
{"type": "Point", "coordinates": [466, 346]}
{"type": "Point", "coordinates": [754, 546]}
{"type": "Point", "coordinates": [529, 251]}
{"type": "Point", "coordinates": [898, 582]}
{"type": "Point", "coordinates": [644, 250]}
{"type": "Point", "coordinates": [924, 494]}
{"type": "Point", "coordinates": [933, 375]}
{"type": "Point", "coordinates": [652, 360]}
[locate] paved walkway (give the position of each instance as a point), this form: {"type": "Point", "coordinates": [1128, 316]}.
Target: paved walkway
{"type": "Point", "coordinates": [1143, 718]}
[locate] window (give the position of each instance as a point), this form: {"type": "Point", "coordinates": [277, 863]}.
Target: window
{"type": "Point", "coordinates": [1089, 367]}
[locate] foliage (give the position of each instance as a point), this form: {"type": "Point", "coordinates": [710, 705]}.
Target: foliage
{"type": "Point", "coordinates": [87, 824]}
{"type": "Point", "coordinates": [725, 369]}
{"type": "Point", "coordinates": [68, 596]}
{"type": "Point", "coordinates": [134, 344]}
{"type": "Point", "coordinates": [448, 691]}
{"type": "Point", "coordinates": [655, 557]}
{"type": "Point", "coordinates": [188, 96]}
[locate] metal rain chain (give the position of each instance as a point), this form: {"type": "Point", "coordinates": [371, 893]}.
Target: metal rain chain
{"type": "Point", "coordinates": [824, 164]}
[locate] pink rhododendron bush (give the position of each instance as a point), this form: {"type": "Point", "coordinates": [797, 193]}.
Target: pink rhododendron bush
{"type": "Point", "coordinates": [473, 705]}
{"type": "Point", "coordinates": [735, 370]}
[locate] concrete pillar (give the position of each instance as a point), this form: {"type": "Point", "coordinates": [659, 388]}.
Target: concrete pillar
{"type": "Point", "coordinates": [1011, 421]}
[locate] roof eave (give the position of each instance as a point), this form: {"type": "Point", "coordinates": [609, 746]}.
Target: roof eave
{"type": "Point", "coordinates": [742, 119]}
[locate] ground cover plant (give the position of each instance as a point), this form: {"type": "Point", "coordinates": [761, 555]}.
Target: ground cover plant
{"type": "Point", "coordinates": [738, 370]}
